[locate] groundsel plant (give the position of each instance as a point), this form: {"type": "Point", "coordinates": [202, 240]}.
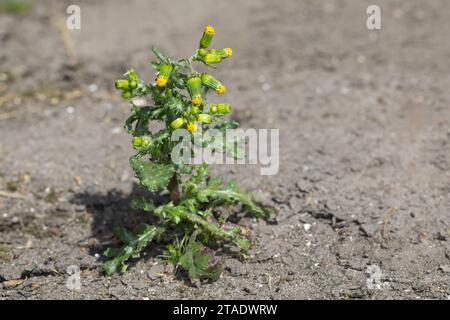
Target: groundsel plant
{"type": "Point", "coordinates": [190, 220]}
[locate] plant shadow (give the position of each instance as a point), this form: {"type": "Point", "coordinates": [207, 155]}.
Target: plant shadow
{"type": "Point", "coordinates": [113, 209]}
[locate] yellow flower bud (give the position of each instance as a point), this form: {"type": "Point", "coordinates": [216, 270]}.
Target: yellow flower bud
{"type": "Point", "coordinates": [224, 52]}
{"type": "Point", "coordinates": [194, 85]}
{"type": "Point", "coordinates": [209, 30]}
{"type": "Point", "coordinates": [192, 127]}
{"type": "Point", "coordinates": [161, 80]}
{"type": "Point", "coordinates": [197, 100]}
{"type": "Point", "coordinates": [207, 36]}
{"type": "Point", "coordinates": [211, 82]}
{"type": "Point", "coordinates": [164, 73]}
{"type": "Point", "coordinates": [177, 123]}
{"type": "Point", "coordinates": [221, 89]}
{"type": "Point", "coordinates": [205, 118]}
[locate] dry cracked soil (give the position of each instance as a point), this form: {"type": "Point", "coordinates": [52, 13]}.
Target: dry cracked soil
{"type": "Point", "coordinates": [362, 192]}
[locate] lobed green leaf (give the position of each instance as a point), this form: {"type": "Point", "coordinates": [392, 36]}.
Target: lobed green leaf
{"type": "Point", "coordinates": [200, 262]}
{"type": "Point", "coordinates": [134, 244]}
{"type": "Point", "coordinates": [153, 176]}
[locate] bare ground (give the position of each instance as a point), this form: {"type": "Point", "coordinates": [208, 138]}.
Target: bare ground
{"type": "Point", "coordinates": [363, 187]}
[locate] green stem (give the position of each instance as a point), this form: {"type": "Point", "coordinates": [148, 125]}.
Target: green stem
{"type": "Point", "coordinates": [210, 227]}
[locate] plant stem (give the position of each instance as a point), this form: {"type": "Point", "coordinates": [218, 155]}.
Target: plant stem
{"type": "Point", "coordinates": [174, 189]}
{"type": "Point", "coordinates": [211, 227]}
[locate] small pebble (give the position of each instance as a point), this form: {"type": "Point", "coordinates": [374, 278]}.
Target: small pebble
{"type": "Point", "coordinates": [266, 87]}
{"type": "Point", "coordinates": [116, 130]}
{"type": "Point", "coordinates": [93, 87]}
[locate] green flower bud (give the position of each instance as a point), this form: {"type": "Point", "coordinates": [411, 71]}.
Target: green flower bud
{"type": "Point", "coordinates": [211, 58]}
{"type": "Point", "coordinates": [132, 76]}
{"type": "Point", "coordinates": [146, 141]}
{"type": "Point", "coordinates": [194, 84]}
{"type": "Point", "coordinates": [207, 36]}
{"type": "Point", "coordinates": [177, 123]}
{"type": "Point", "coordinates": [211, 82]}
{"type": "Point", "coordinates": [195, 110]}
{"type": "Point", "coordinates": [165, 69]}
{"type": "Point", "coordinates": [133, 84]}
{"type": "Point", "coordinates": [137, 141]}
{"type": "Point", "coordinates": [126, 94]}
{"type": "Point", "coordinates": [205, 118]}
{"type": "Point", "coordinates": [141, 143]}
{"type": "Point", "coordinates": [201, 52]}
{"type": "Point", "coordinates": [122, 84]}
{"type": "Point", "coordinates": [213, 108]}
{"type": "Point", "coordinates": [223, 108]}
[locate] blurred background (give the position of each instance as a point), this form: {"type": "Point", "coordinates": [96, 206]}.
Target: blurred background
{"type": "Point", "coordinates": [364, 142]}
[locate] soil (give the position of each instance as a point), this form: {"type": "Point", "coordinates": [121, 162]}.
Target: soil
{"type": "Point", "coordinates": [362, 193]}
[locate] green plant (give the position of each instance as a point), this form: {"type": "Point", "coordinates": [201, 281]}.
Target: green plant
{"type": "Point", "coordinates": [15, 6]}
{"type": "Point", "coordinates": [190, 221]}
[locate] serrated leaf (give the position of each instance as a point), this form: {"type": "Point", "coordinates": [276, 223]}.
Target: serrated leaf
{"type": "Point", "coordinates": [129, 123]}
{"type": "Point", "coordinates": [233, 195]}
{"type": "Point", "coordinates": [135, 243]}
{"type": "Point", "coordinates": [111, 252]}
{"type": "Point", "coordinates": [141, 203]}
{"type": "Point", "coordinates": [112, 266]}
{"type": "Point", "coordinates": [125, 235]}
{"type": "Point", "coordinates": [158, 53]}
{"type": "Point", "coordinates": [155, 65]}
{"type": "Point", "coordinates": [184, 168]}
{"type": "Point", "coordinates": [203, 197]}
{"type": "Point", "coordinates": [200, 262]}
{"type": "Point", "coordinates": [229, 124]}
{"type": "Point", "coordinates": [153, 176]}
{"type": "Point", "coordinates": [215, 182]}
{"type": "Point", "coordinates": [172, 212]}
{"type": "Point", "coordinates": [242, 243]}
